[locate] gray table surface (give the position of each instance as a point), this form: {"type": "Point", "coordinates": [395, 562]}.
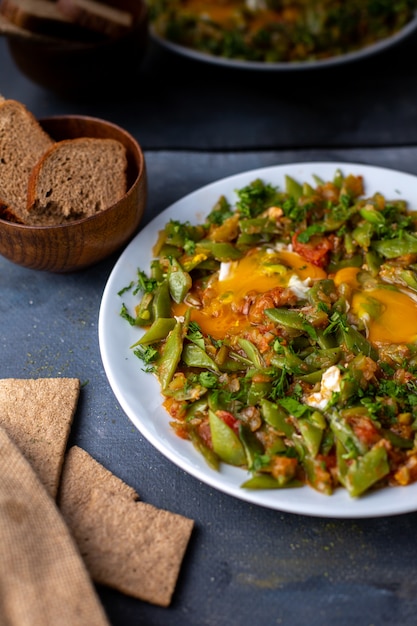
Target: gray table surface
{"type": "Point", "coordinates": [245, 565]}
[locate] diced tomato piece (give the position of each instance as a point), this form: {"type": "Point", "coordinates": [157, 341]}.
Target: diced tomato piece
{"type": "Point", "coordinates": [315, 250]}
{"type": "Point", "coordinates": [365, 430]}
{"type": "Point", "coordinates": [204, 432]}
{"type": "Point", "coordinates": [229, 420]}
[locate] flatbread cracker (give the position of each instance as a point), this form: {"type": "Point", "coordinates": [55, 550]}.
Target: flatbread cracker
{"type": "Point", "coordinates": [129, 545]}
{"type": "Point", "coordinates": [37, 415]}
{"type": "Point", "coordinates": [43, 579]}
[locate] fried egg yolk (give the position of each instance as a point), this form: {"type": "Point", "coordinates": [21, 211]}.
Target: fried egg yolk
{"type": "Point", "coordinates": [258, 272]}
{"type": "Point", "coordinates": [389, 314]}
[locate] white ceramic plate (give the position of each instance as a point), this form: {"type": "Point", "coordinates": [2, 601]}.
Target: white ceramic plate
{"type": "Point", "coordinates": [139, 394]}
{"type": "Point", "coordinates": [356, 55]}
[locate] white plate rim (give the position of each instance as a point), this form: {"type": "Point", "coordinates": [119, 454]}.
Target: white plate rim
{"type": "Point", "coordinates": [138, 393]}
{"type": "Point", "coordinates": [262, 66]}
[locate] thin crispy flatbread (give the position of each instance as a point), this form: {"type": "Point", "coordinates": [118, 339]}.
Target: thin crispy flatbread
{"type": "Point", "coordinates": [128, 545]}
{"type": "Point", "coordinates": [37, 415]}
{"type": "Point", "coordinates": [43, 579]}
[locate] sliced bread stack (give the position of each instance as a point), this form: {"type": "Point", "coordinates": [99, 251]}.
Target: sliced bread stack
{"type": "Point", "coordinates": [44, 182]}
{"type": "Point", "coordinates": [72, 20]}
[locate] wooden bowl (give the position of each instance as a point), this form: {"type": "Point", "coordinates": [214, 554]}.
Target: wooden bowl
{"type": "Point", "coordinates": [81, 243]}
{"type": "Point", "coordinates": [80, 69]}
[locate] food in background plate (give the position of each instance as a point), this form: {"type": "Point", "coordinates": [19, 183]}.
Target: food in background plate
{"type": "Point", "coordinates": [282, 332]}
{"type": "Point", "coordinates": [278, 31]}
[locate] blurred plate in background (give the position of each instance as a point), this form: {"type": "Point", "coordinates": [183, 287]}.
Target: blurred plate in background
{"type": "Point", "coordinates": [356, 55]}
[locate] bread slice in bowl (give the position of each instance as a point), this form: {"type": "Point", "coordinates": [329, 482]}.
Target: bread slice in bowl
{"type": "Point", "coordinates": [22, 143]}
{"type": "Point", "coordinates": [77, 178]}
{"type": "Point", "coordinates": [100, 17]}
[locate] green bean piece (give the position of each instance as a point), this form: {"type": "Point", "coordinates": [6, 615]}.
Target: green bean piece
{"type": "Point", "coordinates": [275, 416]}
{"type": "Point", "coordinates": [168, 361]}
{"type": "Point", "coordinates": [251, 445]}
{"type": "Point", "coordinates": [157, 332]}
{"type": "Point", "coordinates": [370, 214]}
{"type": "Point", "coordinates": [341, 465]}
{"type": "Point", "coordinates": [326, 341]}
{"type": "Point", "coordinates": [234, 363]}
{"type": "Point", "coordinates": [312, 435]}
{"type": "Point", "coordinates": [290, 362]}
{"type": "Point", "coordinates": [292, 319]}
{"type": "Point", "coordinates": [397, 440]}
{"type": "Point", "coordinates": [349, 386]}
{"type": "Point", "coordinates": [349, 243]}
{"type": "Point", "coordinates": [317, 418]}
{"type": "Point", "coordinates": [257, 391]}
{"type": "Point", "coordinates": [362, 234]}
{"type": "Point", "coordinates": [196, 408]}
{"type": "Point", "coordinates": [161, 304]}
{"type": "Point", "coordinates": [338, 178]}
{"type": "Point", "coordinates": [266, 481]}
{"type": "Point", "coordinates": [321, 292]}
{"type": "Point", "coordinates": [249, 240]}
{"type": "Point", "coordinates": [313, 377]}
{"type": "Point", "coordinates": [226, 444]}
{"type": "Point", "coordinates": [319, 181]}
{"type": "Point", "coordinates": [355, 260]}
{"type": "Point", "coordinates": [345, 434]}
{"type": "Point", "coordinates": [356, 342]}
{"type": "Point", "coordinates": [194, 356]}
{"type": "Point", "coordinates": [210, 457]}
{"type": "Point", "coordinates": [317, 475]}
{"type": "Point", "coordinates": [322, 359]}
{"type": "Point", "coordinates": [392, 248]}
{"type": "Point", "coordinates": [221, 251]}
{"type": "Point", "coordinates": [251, 352]}
{"type": "Point", "coordinates": [157, 272]}
{"type": "Point", "coordinates": [261, 225]}
{"type": "Point", "coordinates": [367, 470]}
{"type": "Point", "coordinates": [397, 275]}
{"type": "Point", "coordinates": [179, 282]}
{"type": "Point", "coordinates": [293, 188]}
{"type": "Point", "coordinates": [170, 251]}
{"type": "Point", "coordinates": [278, 446]}
{"type": "Point", "coordinates": [373, 262]}
{"type": "Point", "coordinates": [144, 312]}
{"type": "Point", "coordinates": [308, 190]}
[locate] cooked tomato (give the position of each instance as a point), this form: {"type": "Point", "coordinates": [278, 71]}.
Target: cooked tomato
{"type": "Point", "coordinates": [315, 250]}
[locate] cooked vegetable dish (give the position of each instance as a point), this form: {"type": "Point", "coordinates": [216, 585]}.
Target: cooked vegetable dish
{"type": "Point", "coordinates": [283, 333]}
{"type": "Point", "coordinates": [278, 31]}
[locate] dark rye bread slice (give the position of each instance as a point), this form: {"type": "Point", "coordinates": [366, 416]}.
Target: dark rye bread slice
{"type": "Point", "coordinates": [77, 178]}
{"type": "Point", "coordinates": [103, 18]}
{"type": "Point", "coordinates": [37, 415]}
{"type": "Point", "coordinates": [22, 143]}
{"type": "Point", "coordinates": [128, 545]}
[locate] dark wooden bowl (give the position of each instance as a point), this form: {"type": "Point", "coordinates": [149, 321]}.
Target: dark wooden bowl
{"type": "Point", "coordinates": [82, 69]}
{"type": "Point", "coordinates": [78, 244]}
